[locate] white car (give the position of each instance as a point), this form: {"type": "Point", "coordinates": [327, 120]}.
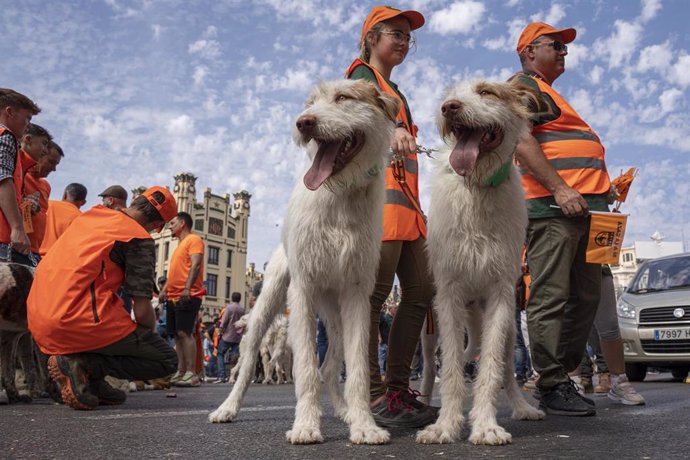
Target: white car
{"type": "Point", "coordinates": [654, 317]}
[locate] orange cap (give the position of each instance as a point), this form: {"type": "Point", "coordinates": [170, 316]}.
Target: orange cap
{"type": "Point", "coordinates": [383, 13]}
{"type": "Point", "coordinates": [535, 30]}
{"type": "Point", "coordinates": [168, 208]}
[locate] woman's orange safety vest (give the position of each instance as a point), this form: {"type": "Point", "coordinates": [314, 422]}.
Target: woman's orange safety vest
{"type": "Point", "coordinates": [73, 306]}
{"type": "Point", "coordinates": [572, 148]}
{"type": "Point", "coordinates": [18, 179]}
{"type": "Point", "coordinates": [401, 221]}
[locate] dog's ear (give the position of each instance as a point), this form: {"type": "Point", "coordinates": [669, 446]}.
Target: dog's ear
{"type": "Point", "coordinates": [389, 104]}
{"type": "Point", "coordinates": [531, 100]}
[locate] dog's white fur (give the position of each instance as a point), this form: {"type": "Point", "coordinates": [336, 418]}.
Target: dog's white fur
{"type": "Point", "coordinates": [476, 234]}
{"type": "Point", "coordinates": [276, 352]}
{"type": "Point", "coordinates": [329, 256]}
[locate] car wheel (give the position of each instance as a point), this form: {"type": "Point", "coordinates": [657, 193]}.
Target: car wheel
{"type": "Point", "coordinates": [679, 373]}
{"type": "Point", "coordinates": [636, 372]}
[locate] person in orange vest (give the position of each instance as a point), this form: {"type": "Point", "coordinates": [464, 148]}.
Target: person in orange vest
{"type": "Point", "coordinates": [564, 177]}
{"type": "Point", "coordinates": [61, 214]}
{"type": "Point", "coordinates": [36, 183]}
{"type": "Point", "coordinates": [75, 314]}
{"type": "Point", "coordinates": [183, 293]}
{"type": "Point", "coordinates": [16, 111]}
{"type": "Point", "coordinates": [385, 41]}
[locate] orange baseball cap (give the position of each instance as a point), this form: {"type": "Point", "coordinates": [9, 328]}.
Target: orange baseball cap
{"type": "Point", "coordinates": [535, 30]}
{"type": "Point", "coordinates": [168, 208]}
{"type": "Point", "coordinates": [382, 13]}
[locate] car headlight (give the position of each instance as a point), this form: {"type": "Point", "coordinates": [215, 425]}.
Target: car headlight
{"type": "Point", "coordinates": [625, 310]}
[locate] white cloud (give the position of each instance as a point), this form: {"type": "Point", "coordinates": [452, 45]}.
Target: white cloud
{"type": "Point", "coordinates": [621, 44]}
{"type": "Point", "coordinates": [655, 57]}
{"type": "Point", "coordinates": [649, 9]}
{"type": "Point", "coordinates": [460, 17]}
{"type": "Point", "coordinates": [208, 49]}
{"type": "Point", "coordinates": [156, 29]}
{"type": "Point", "coordinates": [551, 17]}
{"type": "Point", "coordinates": [180, 126]}
{"type": "Point", "coordinates": [680, 72]}
{"type": "Point", "coordinates": [595, 74]}
{"type": "Point", "coordinates": [670, 99]}
{"type": "Point", "coordinates": [200, 73]}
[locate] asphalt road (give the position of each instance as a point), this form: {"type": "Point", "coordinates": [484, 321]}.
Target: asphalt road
{"type": "Point", "coordinates": [149, 425]}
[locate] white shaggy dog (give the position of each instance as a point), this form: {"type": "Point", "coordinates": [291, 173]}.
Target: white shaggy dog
{"type": "Point", "coordinates": [276, 353]}
{"type": "Point", "coordinates": [329, 256]}
{"type": "Point", "coordinates": [477, 222]}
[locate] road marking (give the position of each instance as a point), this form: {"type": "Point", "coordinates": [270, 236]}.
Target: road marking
{"type": "Point", "coordinates": [177, 413]}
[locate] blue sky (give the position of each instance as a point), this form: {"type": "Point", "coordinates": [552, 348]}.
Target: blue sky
{"type": "Point", "coordinates": [136, 91]}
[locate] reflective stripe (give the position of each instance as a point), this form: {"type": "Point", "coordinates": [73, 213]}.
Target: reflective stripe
{"type": "Point", "coordinates": [576, 135]}
{"type": "Point", "coordinates": [561, 164]}
{"type": "Point", "coordinates": [398, 197]}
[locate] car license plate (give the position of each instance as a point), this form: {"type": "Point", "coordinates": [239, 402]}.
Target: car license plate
{"type": "Point", "coordinates": [671, 334]}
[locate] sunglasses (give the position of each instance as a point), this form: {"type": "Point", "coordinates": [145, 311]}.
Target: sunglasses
{"type": "Point", "coordinates": [558, 46]}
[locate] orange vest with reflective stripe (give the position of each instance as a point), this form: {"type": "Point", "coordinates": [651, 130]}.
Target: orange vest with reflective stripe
{"type": "Point", "coordinates": [60, 215]}
{"type": "Point", "coordinates": [73, 305]}
{"type": "Point", "coordinates": [17, 178]}
{"type": "Point", "coordinates": [401, 221]}
{"type": "Point", "coordinates": [572, 148]}
{"type": "Point", "coordinates": [42, 186]}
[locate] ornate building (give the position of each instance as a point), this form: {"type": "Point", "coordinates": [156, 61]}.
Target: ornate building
{"type": "Point", "coordinates": [222, 223]}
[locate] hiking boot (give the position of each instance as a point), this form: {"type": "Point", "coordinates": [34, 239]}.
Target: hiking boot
{"type": "Point", "coordinates": [176, 377]}
{"type": "Point", "coordinates": [604, 385]}
{"type": "Point", "coordinates": [586, 383]}
{"type": "Point", "coordinates": [623, 392]}
{"type": "Point", "coordinates": [400, 409]}
{"type": "Point", "coordinates": [106, 394]}
{"type": "Point", "coordinates": [564, 399]}
{"type": "Point", "coordinates": [73, 381]}
{"type": "Point", "coordinates": [189, 379]}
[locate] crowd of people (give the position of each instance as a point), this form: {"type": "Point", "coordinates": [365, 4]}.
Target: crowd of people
{"type": "Point", "coordinates": [93, 268]}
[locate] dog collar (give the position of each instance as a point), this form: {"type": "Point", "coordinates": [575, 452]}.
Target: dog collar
{"type": "Point", "coordinates": [500, 175]}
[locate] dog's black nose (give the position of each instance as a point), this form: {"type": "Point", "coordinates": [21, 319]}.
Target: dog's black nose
{"type": "Point", "coordinates": [450, 107]}
{"type": "Point", "coordinates": [306, 123]}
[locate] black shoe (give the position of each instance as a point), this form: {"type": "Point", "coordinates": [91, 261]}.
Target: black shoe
{"type": "Point", "coordinates": [563, 399]}
{"type": "Point", "coordinates": [584, 398]}
{"type": "Point", "coordinates": [400, 409]}
{"type": "Point", "coordinates": [107, 395]}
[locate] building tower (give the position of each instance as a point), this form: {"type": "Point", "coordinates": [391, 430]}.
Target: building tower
{"type": "Point", "coordinates": [185, 192]}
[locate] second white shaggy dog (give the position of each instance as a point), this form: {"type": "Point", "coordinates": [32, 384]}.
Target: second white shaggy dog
{"type": "Point", "coordinates": [329, 256]}
{"type": "Point", "coordinates": [477, 222]}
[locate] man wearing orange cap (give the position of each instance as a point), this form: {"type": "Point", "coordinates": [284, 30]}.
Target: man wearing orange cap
{"type": "Point", "coordinates": [75, 314]}
{"type": "Point", "coordinates": [564, 177]}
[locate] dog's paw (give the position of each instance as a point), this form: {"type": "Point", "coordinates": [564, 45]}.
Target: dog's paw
{"type": "Point", "coordinates": [435, 434]}
{"type": "Point", "coordinates": [304, 435]}
{"type": "Point", "coordinates": [369, 434]}
{"type": "Point", "coordinates": [221, 415]}
{"type": "Point", "coordinates": [528, 413]}
{"type": "Point", "coordinates": [490, 434]}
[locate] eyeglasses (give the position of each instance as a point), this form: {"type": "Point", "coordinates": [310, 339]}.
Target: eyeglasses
{"type": "Point", "coordinates": [556, 45]}
{"type": "Point", "coordinates": [401, 38]}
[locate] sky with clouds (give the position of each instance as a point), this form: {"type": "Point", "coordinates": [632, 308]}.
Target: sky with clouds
{"type": "Point", "coordinates": [137, 91]}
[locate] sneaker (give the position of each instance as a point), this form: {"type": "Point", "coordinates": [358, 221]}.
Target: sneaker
{"type": "Point", "coordinates": [565, 400]}
{"type": "Point", "coordinates": [586, 383]}
{"type": "Point", "coordinates": [623, 391]}
{"type": "Point", "coordinates": [531, 383]}
{"type": "Point", "coordinates": [107, 395]}
{"type": "Point", "coordinates": [176, 377]}
{"type": "Point", "coordinates": [189, 379]}
{"type": "Point", "coordinates": [221, 381]}
{"type": "Point", "coordinates": [576, 382]}
{"type": "Point", "coordinates": [73, 381]}
{"type": "Point", "coordinates": [400, 409]}
{"type": "Point", "coordinates": [604, 385]}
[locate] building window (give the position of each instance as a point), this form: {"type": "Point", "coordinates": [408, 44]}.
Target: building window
{"type": "Point", "coordinates": [213, 255]}
{"type": "Point", "coordinates": [229, 261]}
{"type": "Point", "coordinates": [231, 232]}
{"type": "Point", "coordinates": [199, 225]}
{"type": "Point", "coordinates": [166, 249]}
{"type": "Point", "coordinates": [211, 284]}
{"type": "Point", "coordinates": [215, 226]}
{"type": "Point", "coordinates": [227, 289]}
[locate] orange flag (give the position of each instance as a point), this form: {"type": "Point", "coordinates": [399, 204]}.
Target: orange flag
{"type": "Point", "coordinates": [606, 232]}
{"type": "Point", "coordinates": [622, 185]}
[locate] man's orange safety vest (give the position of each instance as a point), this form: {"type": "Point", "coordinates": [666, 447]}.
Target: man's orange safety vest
{"type": "Point", "coordinates": [18, 179]}
{"type": "Point", "coordinates": [42, 186]}
{"type": "Point", "coordinates": [73, 305]}
{"type": "Point", "coordinates": [572, 148]}
{"type": "Point", "coordinates": [401, 221]}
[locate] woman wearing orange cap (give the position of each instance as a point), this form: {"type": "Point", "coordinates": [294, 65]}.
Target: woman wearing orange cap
{"type": "Point", "coordinates": [384, 43]}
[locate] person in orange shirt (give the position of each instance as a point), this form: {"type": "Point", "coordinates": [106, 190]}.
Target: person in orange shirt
{"type": "Point", "coordinates": [75, 314]}
{"type": "Point", "coordinates": [184, 292]}
{"type": "Point", "coordinates": [16, 111]}
{"type": "Point", "coordinates": [35, 183]}
{"type": "Point", "coordinates": [61, 214]}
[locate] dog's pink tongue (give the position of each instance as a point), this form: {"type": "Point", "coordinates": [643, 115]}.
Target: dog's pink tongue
{"type": "Point", "coordinates": [322, 166]}
{"type": "Point", "coordinates": [464, 155]}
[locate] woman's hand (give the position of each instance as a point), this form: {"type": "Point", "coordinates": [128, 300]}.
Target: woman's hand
{"type": "Point", "coordinates": [403, 142]}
